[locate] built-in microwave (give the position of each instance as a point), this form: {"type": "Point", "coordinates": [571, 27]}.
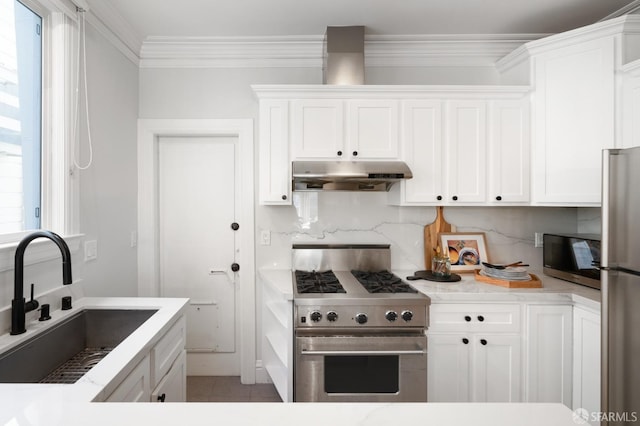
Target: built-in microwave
{"type": "Point", "coordinates": [572, 257]}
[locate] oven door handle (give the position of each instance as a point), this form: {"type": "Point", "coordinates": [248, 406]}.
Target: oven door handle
{"type": "Point", "coordinates": [407, 352]}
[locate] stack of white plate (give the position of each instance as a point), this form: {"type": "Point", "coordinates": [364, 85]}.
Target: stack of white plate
{"type": "Point", "coordinates": [511, 273]}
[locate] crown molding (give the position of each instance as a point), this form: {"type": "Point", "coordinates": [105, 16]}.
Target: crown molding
{"type": "Point", "coordinates": [633, 7]}
{"type": "Point", "coordinates": [632, 68]}
{"type": "Point", "coordinates": [629, 24]}
{"type": "Point", "coordinates": [307, 51]}
{"type": "Point", "coordinates": [111, 25]}
{"type": "Point", "coordinates": [364, 91]}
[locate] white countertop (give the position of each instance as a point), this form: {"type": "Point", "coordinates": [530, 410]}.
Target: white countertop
{"type": "Point", "coordinates": [56, 411]}
{"type": "Point", "coordinates": [102, 379]}
{"type": "Point", "coordinates": [468, 290]}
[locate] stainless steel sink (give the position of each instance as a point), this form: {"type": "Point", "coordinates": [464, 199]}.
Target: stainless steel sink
{"type": "Point", "coordinates": [66, 351]}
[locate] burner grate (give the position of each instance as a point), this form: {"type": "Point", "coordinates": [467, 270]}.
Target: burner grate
{"type": "Point", "coordinates": [382, 282]}
{"type": "Point", "coordinates": [72, 370]}
{"type": "Point", "coordinates": [318, 282]}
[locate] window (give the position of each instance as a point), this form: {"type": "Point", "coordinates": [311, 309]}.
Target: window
{"type": "Point", "coordinates": [20, 117]}
{"type": "Point", "coordinates": [38, 184]}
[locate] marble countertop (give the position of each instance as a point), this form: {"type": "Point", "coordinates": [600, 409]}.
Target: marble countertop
{"type": "Point", "coordinates": [103, 378]}
{"type": "Point", "coordinates": [468, 290]}
{"type": "Point", "coordinates": [56, 412]}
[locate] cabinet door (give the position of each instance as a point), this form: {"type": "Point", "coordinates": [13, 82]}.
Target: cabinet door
{"type": "Point", "coordinates": [548, 336]}
{"type": "Point", "coordinates": [496, 368]}
{"type": "Point", "coordinates": [318, 129]}
{"type": "Point", "coordinates": [586, 360]}
{"type": "Point", "coordinates": [274, 164]}
{"type": "Point", "coordinates": [509, 152]}
{"type": "Point", "coordinates": [448, 374]}
{"type": "Point", "coordinates": [135, 387]}
{"type": "Point", "coordinates": [573, 122]}
{"type": "Point", "coordinates": [173, 386]}
{"type": "Point", "coordinates": [421, 145]}
{"type": "Point", "coordinates": [466, 151]}
{"type": "Point", "coordinates": [630, 109]}
{"type": "Point", "coordinates": [372, 129]}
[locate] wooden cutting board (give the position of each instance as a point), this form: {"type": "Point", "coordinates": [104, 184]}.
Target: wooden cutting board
{"type": "Point", "coordinates": [533, 283]}
{"type": "Point", "coordinates": [431, 235]}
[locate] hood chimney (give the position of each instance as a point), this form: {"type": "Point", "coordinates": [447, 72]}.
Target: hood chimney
{"type": "Point", "coordinates": [343, 56]}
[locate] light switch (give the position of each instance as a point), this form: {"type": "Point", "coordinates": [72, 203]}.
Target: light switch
{"type": "Point", "coordinates": [90, 250]}
{"type": "Point", "coordinates": [265, 237]}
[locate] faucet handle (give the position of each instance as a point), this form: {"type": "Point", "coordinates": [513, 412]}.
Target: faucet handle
{"type": "Point", "coordinates": [33, 303]}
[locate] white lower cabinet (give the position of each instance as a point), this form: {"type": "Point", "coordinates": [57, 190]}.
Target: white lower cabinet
{"type": "Point", "coordinates": [474, 353]}
{"type": "Point", "coordinates": [162, 370]}
{"type": "Point", "coordinates": [173, 386]}
{"type": "Point", "coordinates": [136, 386]}
{"type": "Point", "coordinates": [277, 342]}
{"type": "Point", "coordinates": [548, 336]}
{"type": "Point", "coordinates": [448, 368]}
{"type": "Point", "coordinates": [514, 352]}
{"type": "Point", "coordinates": [586, 360]}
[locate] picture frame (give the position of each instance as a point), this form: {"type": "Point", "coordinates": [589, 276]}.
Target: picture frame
{"type": "Point", "coordinates": [466, 250]}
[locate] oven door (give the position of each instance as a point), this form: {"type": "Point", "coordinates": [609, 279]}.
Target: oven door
{"type": "Point", "coordinates": [364, 368]}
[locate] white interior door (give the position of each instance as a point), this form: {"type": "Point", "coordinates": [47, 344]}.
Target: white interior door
{"type": "Point", "coordinates": [197, 245]}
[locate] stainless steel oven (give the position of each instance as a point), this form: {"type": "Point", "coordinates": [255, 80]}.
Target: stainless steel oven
{"type": "Point", "coordinates": [359, 329]}
{"type": "Point", "coordinates": [361, 368]}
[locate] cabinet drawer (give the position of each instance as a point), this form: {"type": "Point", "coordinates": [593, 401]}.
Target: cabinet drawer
{"type": "Point", "coordinates": [474, 317]}
{"type": "Point", "coordinates": [167, 350]}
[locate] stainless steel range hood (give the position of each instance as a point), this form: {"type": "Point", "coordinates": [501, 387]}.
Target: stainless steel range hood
{"type": "Point", "coordinates": [343, 62]}
{"type": "Point", "coordinates": [348, 175]}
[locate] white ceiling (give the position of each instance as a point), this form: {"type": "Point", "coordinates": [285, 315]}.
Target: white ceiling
{"type": "Point", "coordinates": [241, 18]}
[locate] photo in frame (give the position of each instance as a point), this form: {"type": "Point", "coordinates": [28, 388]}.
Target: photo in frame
{"type": "Point", "coordinates": [466, 250]}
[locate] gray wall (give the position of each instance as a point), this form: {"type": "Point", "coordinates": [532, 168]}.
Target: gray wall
{"type": "Point", "coordinates": [108, 189]}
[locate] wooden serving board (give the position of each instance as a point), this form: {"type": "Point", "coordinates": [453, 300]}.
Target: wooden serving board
{"type": "Point", "coordinates": [533, 283]}
{"type": "Point", "coordinates": [431, 232]}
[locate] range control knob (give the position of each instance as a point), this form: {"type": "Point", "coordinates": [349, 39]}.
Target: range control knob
{"type": "Point", "coordinates": [407, 316]}
{"type": "Point", "coordinates": [361, 318]}
{"type": "Point", "coordinates": [315, 316]}
{"type": "Point", "coordinates": [332, 316]}
{"type": "Point", "coordinates": [391, 316]}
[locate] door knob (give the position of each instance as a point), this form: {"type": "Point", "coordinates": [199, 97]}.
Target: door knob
{"type": "Point", "coordinates": [235, 267]}
{"type": "Point", "coordinates": [235, 226]}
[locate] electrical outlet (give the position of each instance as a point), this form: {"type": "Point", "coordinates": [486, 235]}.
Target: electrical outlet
{"type": "Point", "coordinates": [133, 239]}
{"type": "Point", "coordinates": [265, 237]}
{"type": "Point", "coordinates": [90, 250]}
{"type": "Point", "coordinates": [538, 239]}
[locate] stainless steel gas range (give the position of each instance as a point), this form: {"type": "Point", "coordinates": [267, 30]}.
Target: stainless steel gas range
{"type": "Point", "coordinates": [359, 329]}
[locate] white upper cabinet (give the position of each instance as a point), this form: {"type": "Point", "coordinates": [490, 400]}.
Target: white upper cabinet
{"type": "Point", "coordinates": [372, 128]}
{"type": "Point", "coordinates": [422, 148]}
{"type": "Point", "coordinates": [574, 121]}
{"type": "Point", "coordinates": [274, 164]}
{"type": "Point", "coordinates": [465, 145]}
{"type": "Point", "coordinates": [509, 154]}
{"type": "Point", "coordinates": [317, 129]}
{"type": "Point", "coordinates": [466, 150]}
{"type": "Point", "coordinates": [581, 105]}
{"type": "Point", "coordinates": [338, 129]}
{"type": "Point", "coordinates": [630, 117]}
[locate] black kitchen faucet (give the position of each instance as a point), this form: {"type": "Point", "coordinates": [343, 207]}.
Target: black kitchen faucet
{"type": "Point", "coordinates": [19, 306]}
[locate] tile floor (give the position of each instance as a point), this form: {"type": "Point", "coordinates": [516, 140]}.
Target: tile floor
{"type": "Point", "coordinates": [228, 389]}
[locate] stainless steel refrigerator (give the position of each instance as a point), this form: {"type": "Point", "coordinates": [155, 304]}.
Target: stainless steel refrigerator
{"type": "Point", "coordinates": [620, 261]}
